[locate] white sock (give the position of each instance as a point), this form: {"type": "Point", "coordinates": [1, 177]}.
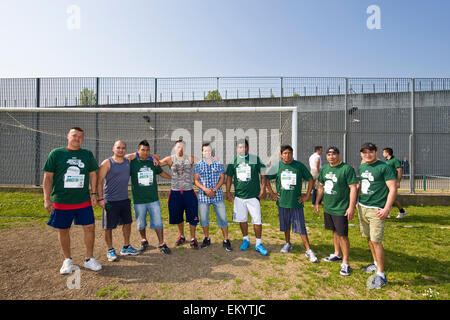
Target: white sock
{"type": "Point", "coordinates": [381, 274]}
{"type": "Point", "coordinates": [258, 242]}
{"type": "Point", "coordinates": [246, 238]}
{"type": "Point", "coordinates": [375, 263]}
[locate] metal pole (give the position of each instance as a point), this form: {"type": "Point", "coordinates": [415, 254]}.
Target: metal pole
{"type": "Point", "coordinates": [294, 131]}
{"type": "Point", "coordinates": [155, 145]}
{"type": "Point", "coordinates": [344, 142]}
{"type": "Point", "coordinates": [411, 143]}
{"type": "Point", "coordinates": [37, 156]}
{"type": "Point", "coordinates": [281, 104]}
{"type": "Point", "coordinates": [97, 131]}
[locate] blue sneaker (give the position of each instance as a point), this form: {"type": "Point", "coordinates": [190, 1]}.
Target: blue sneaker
{"type": "Point", "coordinates": [245, 245]}
{"type": "Point", "coordinates": [111, 255]}
{"type": "Point", "coordinates": [129, 251]}
{"type": "Point", "coordinates": [260, 248]}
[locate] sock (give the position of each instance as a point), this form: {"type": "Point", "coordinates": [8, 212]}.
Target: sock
{"type": "Point", "coordinates": [246, 238]}
{"type": "Point", "coordinates": [375, 263]}
{"type": "Point", "coordinates": [402, 210]}
{"type": "Point", "coordinates": [381, 274]}
{"type": "Point", "coordinates": [258, 242]}
{"type": "Point", "coordinates": [126, 247]}
{"type": "Point", "coordinates": [86, 260]}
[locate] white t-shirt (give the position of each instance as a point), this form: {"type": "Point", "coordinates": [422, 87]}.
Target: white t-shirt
{"type": "Point", "coordinates": [312, 161]}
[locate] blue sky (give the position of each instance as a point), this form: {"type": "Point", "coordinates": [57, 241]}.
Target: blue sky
{"type": "Point", "coordinates": [180, 38]}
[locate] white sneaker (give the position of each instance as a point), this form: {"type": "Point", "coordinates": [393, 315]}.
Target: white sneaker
{"type": "Point", "coordinates": [67, 266]}
{"type": "Point", "coordinates": [402, 214]}
{"type": "Point", "coordinates": [311, 256]}
{"type": "Point", "coordinates": [286, 248]}
{"type": "Point", "coordinates": [92, 264]}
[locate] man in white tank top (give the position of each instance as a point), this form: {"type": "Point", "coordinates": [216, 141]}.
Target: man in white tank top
{"type": "Point", "coordinates": [315, 164]}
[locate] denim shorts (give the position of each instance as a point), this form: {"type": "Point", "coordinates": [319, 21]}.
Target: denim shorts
{"type": "Point", "coordinates": [154, 210]}
{"type": "Point", "coordinates": [219, 209]}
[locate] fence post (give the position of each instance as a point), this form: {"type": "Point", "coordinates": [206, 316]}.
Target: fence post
{"type": "Point", "coordinates": [37, 156]}
{"type": "Point", "coordinates": [412, 142]}
{"type": "Point", "coordinates": [155, 142]}
{"type": "Point", "coordinates": [344, 142]}
{"type": "Point", "coordinates": [97, 131]}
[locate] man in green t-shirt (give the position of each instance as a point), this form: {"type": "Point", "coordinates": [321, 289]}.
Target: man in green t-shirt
{"type": "Point", "coordinates": [289, 175]}
{"type": "Point", "coordinates": [377, 194]}
{"type": "Point", "coordinates": [68, 173]}
{"type": "Point", "coordinates": [388, 154]}
{"type": "Point", "coordinates": [338, 187]}
{"type": "Point", "coordinates": [245, 171]}
{"type": "Point", "coordinates": [144, 190]}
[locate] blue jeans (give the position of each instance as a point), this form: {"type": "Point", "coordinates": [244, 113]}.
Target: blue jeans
{"type": "Point", "coordinates": [154, 210]}
{"type": "Point", "coordinates": [219, 208]}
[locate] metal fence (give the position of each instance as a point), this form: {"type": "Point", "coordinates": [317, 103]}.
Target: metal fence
{"type": "Point", "coordinates": [410, 115]}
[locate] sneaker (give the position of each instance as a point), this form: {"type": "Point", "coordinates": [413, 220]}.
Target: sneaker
{"type": "Point", "coordinates": [311, 256]}
{"type": "Point", "coordinates": [245, 245]}
{"type": "Point", "coordinates": [260, 248]}
{"type": "Point", "coordinates": [345, 270]}
{"type": "Point", "coordinates": [286, 248]}
{"type": "Point", "coordinates": [111, 255]}
{"type": "Point", "coordinates": [129, 251]}
{"type": "Point", "coordinates": [402, 214]}
{"type": "Point", "coordinates": [378, 282]}
{"type": "Point", "coordinates": [144, 245]}
{"type": "Point", "coordinates": [194, 243]}
{"type": "Point", "coordinates": [332, 258]}
{"type": "Point", "coordinates": [227, 245]}
{"type": "Point", "coordinates": [164, 248]}
{"type": "Point", "coordinates": [206, 243]}
{"type": "Point", "coordinates": [92, 264]}
{"type": "Point", "coordinates": [180, 241]}
{"type": "Point", "coordinates": [370, 268]}
{"type": "Point", "coordinates": [67, 267]}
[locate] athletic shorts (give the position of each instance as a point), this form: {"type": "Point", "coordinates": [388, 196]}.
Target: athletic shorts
{"type": "Point", "coordinates": [292, 217]}
{"type": "Point", "coordinates": [116, 213]}
{"type": "Point", "coordinates": [243, 207]}
{"type": "Point", "coordinates": [183, 201]}
{"type": "Point", "coordinates": [62, 219]}
{"type": "Point", "coordinates": [336, 223]}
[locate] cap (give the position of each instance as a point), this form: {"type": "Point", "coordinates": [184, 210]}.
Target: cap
{"type": "Point", "coordinates": [335, 149]}
{"type": "Point", "coordinates": [369, 146]}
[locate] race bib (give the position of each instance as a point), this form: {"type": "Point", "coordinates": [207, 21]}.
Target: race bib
{"type": "Point", "coordinates": [145, 178]}
{"type": "Point", "coordinates": [288, 179]}
{"type": "Point", "coordinates": [73, 178]}
{"type": "Point", "coordinates": [243, 172]}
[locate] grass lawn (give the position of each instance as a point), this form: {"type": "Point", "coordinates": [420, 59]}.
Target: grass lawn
{"type": "Point", "coordinates": [417, 256]}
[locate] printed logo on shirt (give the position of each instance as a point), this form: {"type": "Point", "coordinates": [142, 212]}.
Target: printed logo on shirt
{"type": "Point", "coordinates": [145, 176]}
{"type": "Point", "coordinates": [76, 162]}
{"type": "Point", "coordinates": [365, 183]}
{"type": "Point", "coordinates": [329, 184]}
{"type": "Point", "coordinates": [288, 180]}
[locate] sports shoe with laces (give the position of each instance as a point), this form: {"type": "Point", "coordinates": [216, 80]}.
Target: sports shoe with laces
{"type": "Point", "coordinates": [345, 270]}
{"type": "Point", "coordinates": [206, 243]}
{"type": "Point", "coordinates": [311, 256]}
{"type": "Point", "coordinates": [245, 245]}
{"type": "Point", "coordinates": [370, 268]}
{"type": "Point", "coordinates": [180, 241]}
{"type": "Point", "coordinates": [92, 264]}
{"type": "Point", "coordinates": [144, 245]}
{"type": "Point", "coordinates": [111, 255]}
{"type": "Point", "coordinates": [227, 245]}
{"type": "Point", "coordinates": [194, 244]}
{"type": "Point", "coordinates": [129, 251]}
{"type": "Point", "coordinates": [378, 282]}
{"type": "Point", "coordinates": [164, 248]}
{"type": "Point", "coordinates": [67, 266]}
{"type": "Point", "coordinates": [401, 215]}
{"type": "Point", "coordinates": [332, 258]}
{"type": "Point", "coordinates": [260, 248]}
{"type": "Point", "coordinates": [286, 248]}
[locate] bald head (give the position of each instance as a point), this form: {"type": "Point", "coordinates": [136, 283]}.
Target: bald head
{"type": "Point", "coordinates": [119, 149]}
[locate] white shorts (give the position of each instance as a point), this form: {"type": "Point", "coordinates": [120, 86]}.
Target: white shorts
{"type": "Point", "coordinates": [244, 206]}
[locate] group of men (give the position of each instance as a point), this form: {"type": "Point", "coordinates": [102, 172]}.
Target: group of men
{"type": "Point", "coordinates": [74, 183]}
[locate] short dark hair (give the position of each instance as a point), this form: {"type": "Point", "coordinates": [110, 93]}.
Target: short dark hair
{"type": "Point", "coordinates": [206, 144]}
{"type": "Point", "coordinates": [144, 143]}
{"type": "Point", "coordinates": [317, 148]}
{"type": "Point", "coordinates": [77, 128]}
{"type": "Point", "coordinates": [241, 141]}
{"type": "Point", "coordinates": [286, 147]}
{"type": "Point", "coordinates": [389, 151]}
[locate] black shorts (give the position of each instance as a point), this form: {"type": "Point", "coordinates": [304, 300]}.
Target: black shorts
{"type": "Point", "coordinates": [336, 223]}
{"type": "Point", "coordinates": [116, 213]}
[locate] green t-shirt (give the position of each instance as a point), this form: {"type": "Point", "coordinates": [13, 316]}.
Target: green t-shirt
{"type": "Point", "coordinates": [144, 188]}
{"type": "Point", "coordinates": [374, 190]}
{"type": "Point", "coordinates": [71, 170]}
{"type": "Point", "coordinates": [394, 163]}
{"type": "Point", "coordinates": [245, 173]}
{"type": "Point", "coordinates": [289, 178]}
{"type": "Point", "coordinates": [336, 191]}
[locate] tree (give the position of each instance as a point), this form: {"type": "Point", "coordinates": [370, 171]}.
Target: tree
{"type": "Point", "coordinates": [87, 97]}
{"type": "Point", "coordinates": [213, 95]}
